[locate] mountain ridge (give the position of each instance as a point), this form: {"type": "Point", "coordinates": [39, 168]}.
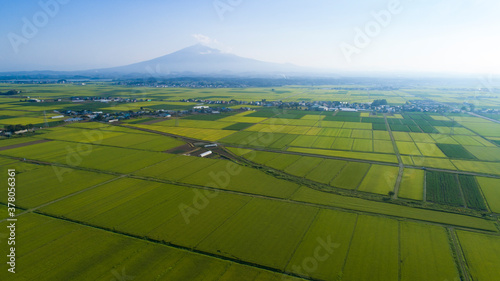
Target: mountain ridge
{"type": "Point", "coordinates": [201, 59]}
{"type": "Point", "coordinates": [195, 60]}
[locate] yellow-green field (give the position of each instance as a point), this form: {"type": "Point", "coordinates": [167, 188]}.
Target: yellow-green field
{"type": "Point", "coordinates": [203, 134]}
{"type": "Point", "coordinates": [379, 237]}
{"type": "Point", "coordinates": [426, 253]}
{"type": "Point", "coordinates": [289, 193]}
{"type": "Point", "coordinates": [380, 179]}
{"type": "Point", "coordinates": [482, 254]}
{"type": "Point", "coordinates": [412, 184]}
{"type": "Point", "coordinates": [491, 191]}
{"type": "Point", "coordinates": [348, 154]}
{"type": "Point", "coordinates": [408, 148]}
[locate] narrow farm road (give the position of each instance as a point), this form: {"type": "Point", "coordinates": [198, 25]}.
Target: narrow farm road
{"type": "Point", "coordinates": [22, 144]}
{"type": "Point", "coordinates": [459, 254]}
{"type": "Point", "coordinates": [484, 117]}
{"type": "Point", "coordinates": [400, 161]}
{"type": "Point", "coordinates": [352, 206]}
{"type": "Point", "coordinates": [67, 196]}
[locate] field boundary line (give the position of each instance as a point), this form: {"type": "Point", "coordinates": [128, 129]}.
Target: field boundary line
{"type": "Point", "coordinates": [350, 244]}
{"type": "Point", "coordinates": [289, 198]}
{"type": "Point", "coordinates": [373, 141]}
{"type": "Point", "coordinates": [32, 250]}
{"type": "Point", "coordinates": [302, 238]}
{"type": "Point", "coordinates": [461, 191]}
{"type": "Point", "coordinates": [316, 155]}
{"type": "Point", "coordinates": [337, 174]}
{"type": "Point", "coordinates": [361, 181]}
{"type": "Point", "coordinates": [41, 162]}
{"type": "Point", "coordinates": [110, 129]}
{"type": "Point", "coordinates": [31, 210]}
{"type": "Point", "coordinates": [19, 145]}
{"type": "Point", "coordinates": [424, 196]}
{"type": "Point", "coordinates": [453, 171]}
{"type": "Point", "coordinates": [483, 196]}
{"type": "Point", "coordinates": [400, 263]}
{"type": "Point", "coordinates": [175, 246]}
{"type": "Point", "coordinates": [310, 171]}
{"type": "Point", "coordinates": [484, 117]}
{"type": "Point", "coordinates": [186, 139]}
{"type": "Point", "coordinates": [100, 144]}
{"type": "Point", "coordinates": [398, 180]}
{"type": "Point", "coordinates": [166, 269]}
{"type": "Point", "coordinates": [153, 165]}
{"type": "Point", "coordinates": [276, 198]}
{"type": "Point", "coordinates": [480, 135]}
{"type": "Point", "coordinates": [400, 160]}
{"type": "Point", "coordinates": [459, 255]}
{"type": "Point", "coordinates": [224, 222]}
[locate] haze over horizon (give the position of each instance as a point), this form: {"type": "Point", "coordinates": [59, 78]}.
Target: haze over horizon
{"type": "Point", "coordinates": [457, 36]}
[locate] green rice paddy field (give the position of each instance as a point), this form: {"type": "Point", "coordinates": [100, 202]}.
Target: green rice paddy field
{"type": "Point", "coordinates": [297, 195]}
{"type": "Point", "coordinates": [119, 256]}
{"type": "Point", "coordinates": [229, 230]}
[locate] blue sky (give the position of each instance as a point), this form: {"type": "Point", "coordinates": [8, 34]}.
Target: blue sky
{"type": "Point", "coordinates": [420, 35]}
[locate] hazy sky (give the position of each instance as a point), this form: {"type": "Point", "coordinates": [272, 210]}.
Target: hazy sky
{"type": "Point", "coordinates": [418, 35]}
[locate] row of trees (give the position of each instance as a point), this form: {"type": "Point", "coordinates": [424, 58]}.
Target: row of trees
{"type": "Point", "coordinates": [376, 103]}
{"type": "Point", "coordinates": [10, 93]}
{"type": "Point", "coordinates": [19, 127]}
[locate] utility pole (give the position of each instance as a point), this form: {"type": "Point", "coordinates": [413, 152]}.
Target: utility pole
{"type": "Point", "coordinates": [45, 118]}
{"type": "Point", "coordinates": [452, 131]}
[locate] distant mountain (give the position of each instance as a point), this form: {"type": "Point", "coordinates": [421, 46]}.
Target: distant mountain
{"type": "Point", "coordinates": [202, 60]}
{"type": "Point", "coordinates": [197, 60]}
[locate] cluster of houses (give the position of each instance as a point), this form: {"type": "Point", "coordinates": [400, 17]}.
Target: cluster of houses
{"type": "Point", "coordinates": [111, 116]}
{"type": "Point", "coordinates": [313, 106]}
{"type": "Point", "coordinates": [10, 130]}
{"type": "Point", "coordinates": [107, 99]}
{"type": "Point", "coordinates": [28, 99]}
{"type": "Point", "coordinates": [376, 106]}
{"type": "Point", "coordinates": [206, 106]}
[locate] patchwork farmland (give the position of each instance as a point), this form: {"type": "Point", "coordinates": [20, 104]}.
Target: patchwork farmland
{"type": "Point", "coordinates": [284, 194]}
